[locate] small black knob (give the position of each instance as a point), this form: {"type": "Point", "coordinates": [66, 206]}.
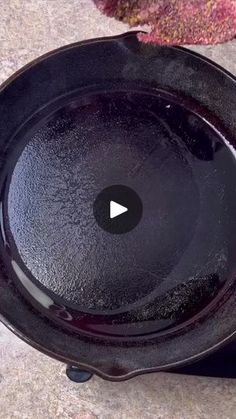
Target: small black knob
{"type": "Point", "coordinates": [77, 375]}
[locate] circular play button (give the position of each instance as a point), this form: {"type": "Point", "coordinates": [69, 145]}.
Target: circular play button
{"type": "Point", "coordinates": [118, 209]}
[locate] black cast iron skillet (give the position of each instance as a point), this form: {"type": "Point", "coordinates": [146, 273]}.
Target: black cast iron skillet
{"type": "Point", "coordinates": [119, 116]}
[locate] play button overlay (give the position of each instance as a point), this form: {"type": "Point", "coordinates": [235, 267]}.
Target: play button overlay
{"type": "Point", "coordinates": [118, 209]}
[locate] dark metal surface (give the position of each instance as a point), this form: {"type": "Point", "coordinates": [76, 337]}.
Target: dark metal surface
{"type": "Point", "coordinates": [221, 364]}
{"type": "Point", "coordinates": [157, 120]}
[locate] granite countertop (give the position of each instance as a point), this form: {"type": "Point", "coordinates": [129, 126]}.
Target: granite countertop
{"type": "Point", "coordinates": [32, 385]}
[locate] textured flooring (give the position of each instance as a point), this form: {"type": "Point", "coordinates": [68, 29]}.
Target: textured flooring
{"type": "Point", "coordinates": [32, 385]}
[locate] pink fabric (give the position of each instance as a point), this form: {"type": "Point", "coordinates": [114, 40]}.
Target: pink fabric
{"type": "Point", "coordinates": [174, 22]}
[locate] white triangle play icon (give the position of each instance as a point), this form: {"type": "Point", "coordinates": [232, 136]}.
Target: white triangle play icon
{"type": "Point", "coordinates": [116, 209]}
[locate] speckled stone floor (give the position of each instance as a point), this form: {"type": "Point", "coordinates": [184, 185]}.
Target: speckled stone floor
{"type": "Point", "coordinates": [32, 385]}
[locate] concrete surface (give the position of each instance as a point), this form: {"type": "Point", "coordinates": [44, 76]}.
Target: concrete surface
{"type": "Point", "coordinates": [32, 385]}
